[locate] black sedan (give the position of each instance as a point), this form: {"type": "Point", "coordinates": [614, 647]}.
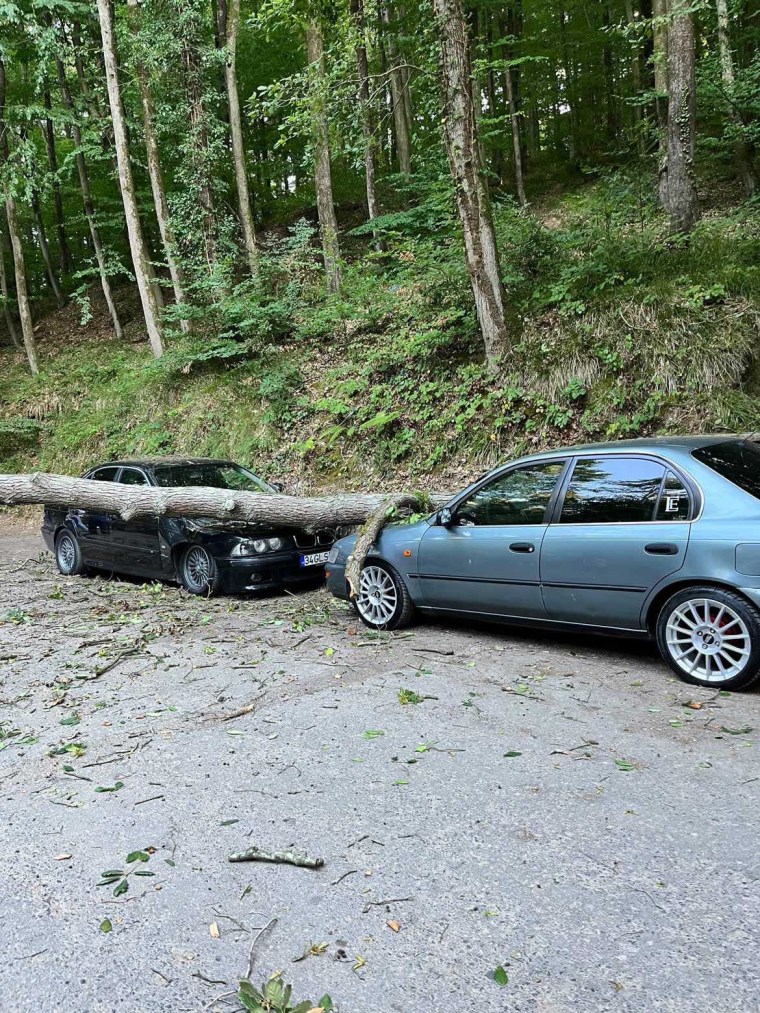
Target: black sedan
{"type": "Point", "coordinates": [205, 556]}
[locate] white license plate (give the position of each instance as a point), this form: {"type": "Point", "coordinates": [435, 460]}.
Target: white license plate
{"type": "Point", "coordinates": [314, 559]}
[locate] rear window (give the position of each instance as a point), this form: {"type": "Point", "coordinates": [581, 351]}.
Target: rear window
{"type": "Point", "coordinates": [736, 460]}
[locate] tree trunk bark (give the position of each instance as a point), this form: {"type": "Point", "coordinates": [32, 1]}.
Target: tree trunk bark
{"type": "Point", "coordinates": [743, 152]}
{"type": "Point", "coordinates": [156, 175]}
{"type": "Point", "coordinates": [199, 143]}
{"type": "Point", "coordinates": [140, 259]}
{"type": "Point", "coordinates": [22, 296]}
{"type": "Point", "coordinates": [48, 134]}
{"type": "Point", "coordinates": [89, 210]}
{"type": "Point", "coordinates": [496, 325]}
{"type": "Point", "coordinates": [129, 502]}
{"type": "Point", "coordinates": [45, 251]}
{"type": "Point", "coordinates": [328, 223]}
{"type": "Point", "coordinates": [402, 126]}
{"type": "Point", "coordinates": [365, 105]}
{"type": "Point", "coordinates": [680, 181]}
{"type": "Point", "coordinates": [232, 21]}
{"type": "Point", "coordinates": [516, 142]}
{"type": "Point", "coordinates": [4, 295]}
{"type": "Point", "coordinates": [660, 61]}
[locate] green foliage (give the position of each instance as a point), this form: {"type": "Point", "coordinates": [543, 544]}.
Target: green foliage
{"type": "Point", "coordinates": [274, 997]}
{"type": "Point", "coordinates": [18, 434]}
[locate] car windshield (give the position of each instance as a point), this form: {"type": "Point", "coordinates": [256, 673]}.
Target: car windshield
{"type": "Point", "coordinates": [218, 476]}
{"type": "Point", "coordinates": [736, 460]}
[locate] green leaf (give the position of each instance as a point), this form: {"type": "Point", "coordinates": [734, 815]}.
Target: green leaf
{"type": "Point", "coordinates": [373, 733]}
{"type": "Point", "coordinates": [500, 976]}
{"type": "Point", "coordinates": [512, 752]}
{"type": "Point", "coordinates": [105, 925]}
{"type": "Point", "coordinates": [71, 720]}
{"type": "Point", "coordinates": [624, 765]}
{"type": "Point", "coordinates": [137, 856]}
{"type": "Point", "coordinates": [121, 888]}
{"type": "Point", "coordinates": [228, 823]}
{"type": "Point", "coordinates": [326, 1003]}
{"type": "Point", "coordinates": [112, 874]}
{"type": "Point", "coordinates": [745, 730]}
{"type": "Point", "coordinates": [144, 872]}
{"type": "Point", "coordinates": [113, 787]}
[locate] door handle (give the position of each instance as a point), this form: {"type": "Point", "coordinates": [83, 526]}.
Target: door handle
{"type": "Point", "coordinates": [522, 547]}
{"type": "Point", "coordinates": [661, 549]}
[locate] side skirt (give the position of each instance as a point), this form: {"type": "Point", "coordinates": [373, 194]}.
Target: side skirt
{"type": "Point", "coordinates": [543, 624]}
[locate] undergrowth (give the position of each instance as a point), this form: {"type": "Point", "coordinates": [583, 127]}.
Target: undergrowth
{"type": "Point", "coordinates": [626, 332]}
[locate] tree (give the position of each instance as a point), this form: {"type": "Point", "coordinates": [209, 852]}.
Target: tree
{"type": "Point", "coordinates": [229, 22]}
{"type": "Point", "coordinates": [19, 265]}
{"type": "Point", "coordinates": [742, 148]}
{"type": "Point", "coordinates": [365, 104]}
{"type": "Point", "coordinates": [497, 326]}
{"type": "Point", "coordinates": [328, 223]}
{"type": "Point", "coordinates": [680, 183]}
{"type": "Point", "coordinates": [140, 258]}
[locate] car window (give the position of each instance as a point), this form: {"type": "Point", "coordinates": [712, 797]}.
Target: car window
{"type": "Point", "coordinates": [104, 475]}
{"type": "Point", "coordinates": [218, 476]}
{"type": "Point", "coordinates": [605, 490]}
{"type": "Point", "coordinates": [736, 460]}
{"type": "Point", "coordinates": [131, 476]}
{"type": "Point", "coordinates": [519, 497]}
{"type": "Point", "coordinates": [675, 501]}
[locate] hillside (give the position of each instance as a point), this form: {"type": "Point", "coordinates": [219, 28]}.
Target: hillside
{"type": "Point", "coordinates": [627, 331]}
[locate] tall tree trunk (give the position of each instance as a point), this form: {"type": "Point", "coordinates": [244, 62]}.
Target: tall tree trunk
{"type": "Point", "coordinates": [156, 175]}
{"type": "Point", "coordinates": [140, 259]}
{"type": "Point", "coordinates": [497, 327]}
{"type": "Point", "coordinates": [402, 126]}
{"type": "Point", "coordinates": [48, 134]}
{"type": "Point", "coordinates": [660, 61]}
{"type": "Point", "coordinates": [5, 296]}
{"type": "Point", "coordinates": [630, 17]}
{"type": "Point", "coordinates": [19, 267]}
{"type": "Point", "coordinates": [743, 152]}
{"type": "Point", "coordinates": [681, 186]}
{"type": "Point", "coordinates": [200, 145]}
{"type": "Point", "coordinates": [516, 143]}
{"type": "Point", "coordinates": [328, 223]}
{"type": "Point", "coordinates": [365, 106]}
{"type": "Point", "coordinates": [45, 251]}
{"type": "Point", "coordinates": [232, 22]}
{"type": "Point", "coordinates": [89, 210]}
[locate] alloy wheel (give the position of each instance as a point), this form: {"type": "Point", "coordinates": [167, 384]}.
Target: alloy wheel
{"type": "Point", "coordinates": [378, 597]}
{"type": "Point", "coordinates": [707, 639]}
{"type": "Point", "coordinates": [66, 553]}
{"type": "Point", "coordinates": [197, 567]}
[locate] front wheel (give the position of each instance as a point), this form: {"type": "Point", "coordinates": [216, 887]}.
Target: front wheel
{"type": "Point", "coordinates": [198, 572]}
{"type": "Point", "coordinates": [383, 602]}
{"type": "Point", "coordinates": [68, 555]}
{"type": "Point", "coordinates": [710, 637]}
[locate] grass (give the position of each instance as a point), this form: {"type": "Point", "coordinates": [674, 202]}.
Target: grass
{"type": "Point", "coordinates": [626, 332]}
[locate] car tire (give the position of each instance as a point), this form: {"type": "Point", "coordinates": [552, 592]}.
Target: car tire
{"type": "Point", "coordinates": [383, 602]}
{"type": "Point", "coordinates": [710, 637]}
{"type": "Point", "coordinates": [68, 555]}
{"type": "Point", "coordinates": [198, 572]}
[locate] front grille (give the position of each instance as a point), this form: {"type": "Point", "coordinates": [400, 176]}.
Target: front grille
{"type": "Point", "coordinates": [312, 540]}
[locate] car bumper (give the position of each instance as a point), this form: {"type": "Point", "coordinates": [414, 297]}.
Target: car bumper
{"type": "Point", "coordinates": [254, 573]}
{"type": "Point", "coordinates": [336, 580]}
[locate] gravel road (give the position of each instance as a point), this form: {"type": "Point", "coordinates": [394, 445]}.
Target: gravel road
{"type": "Point", "coordinates": [562, 808]}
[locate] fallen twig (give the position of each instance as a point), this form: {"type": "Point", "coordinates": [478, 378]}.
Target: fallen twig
{"type": "Point", "coordinates": [299, 858]}
{"type": "Point", "coordinates": [379, 903]}
{"type": "Point", "coordinates": [259, 934]}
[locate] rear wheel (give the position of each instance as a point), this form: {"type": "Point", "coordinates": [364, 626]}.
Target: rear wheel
{"type": "Point", "coordinates": [198, 572]}
{"type": "Point", "coordinates": [383, 602]}
{"type": "Point", "coordinates": [710, 637]}
{"type": "Point", "coordinates": [68, 555]}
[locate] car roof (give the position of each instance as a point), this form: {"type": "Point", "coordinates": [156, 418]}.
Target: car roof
{"type": "Point", "coordinates": [160, 462]}
{"type": "Point", "coordinates": [644, 444]}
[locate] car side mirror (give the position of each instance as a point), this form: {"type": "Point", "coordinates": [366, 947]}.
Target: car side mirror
{"type": "Point", "coordinates": [445, 517]}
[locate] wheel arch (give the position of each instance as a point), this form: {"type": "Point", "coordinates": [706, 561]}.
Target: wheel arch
{"type": "Point", "coordinates": [653, 609]}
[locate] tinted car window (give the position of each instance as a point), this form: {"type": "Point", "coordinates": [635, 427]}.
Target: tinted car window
{"type": "Point", "coordinates": [675, 502]}
{"type": "Point", "coordinates": [736, 460]}
{"type": "Point", "coordinates": [131, 476]}
{"type": "Point", "coordinates": [612, 490]}
{"type": "Point", "coordinates": [519, 497]}
{"type": "Point", "coordinates": [218, 476]}
{"type": "Point", "coordinates": [104, 475]}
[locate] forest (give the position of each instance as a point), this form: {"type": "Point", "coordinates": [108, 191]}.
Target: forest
{"type": "Point", "coordinates": [345, 239]}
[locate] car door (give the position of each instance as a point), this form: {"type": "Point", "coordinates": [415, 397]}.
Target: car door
{"type": "Point", "coordinates": [93, 527]}
{"type": "Point", "coordinates": [621, 525]}
{"type": "Point", "coordinates": [487, 559]}
{"type": "Point", "coordinates": [135, 542]}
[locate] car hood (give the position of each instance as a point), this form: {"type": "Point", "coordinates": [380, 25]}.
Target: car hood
{"type": "Point", "coordinates": [211, 525]}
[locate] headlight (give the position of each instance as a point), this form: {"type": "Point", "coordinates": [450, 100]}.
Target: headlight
{"type": "Point", "coordinates": [255, 546]}
{"type": "Point", "coordinates": [275, 544]}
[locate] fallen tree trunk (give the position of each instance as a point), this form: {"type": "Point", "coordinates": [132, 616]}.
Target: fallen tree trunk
{"type": "Point", "coordinates": [308, 513]}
